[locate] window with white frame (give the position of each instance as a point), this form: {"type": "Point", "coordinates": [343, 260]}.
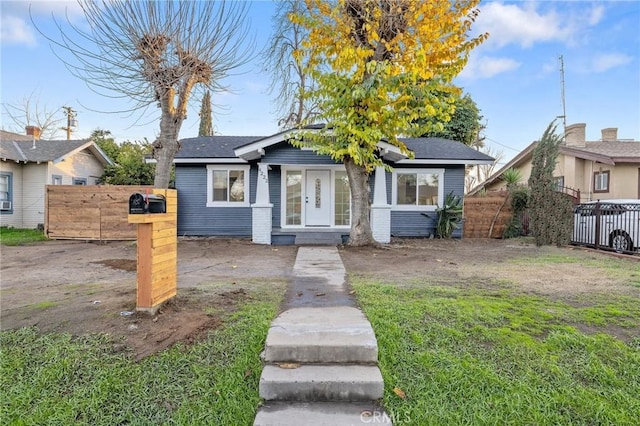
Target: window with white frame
{"type": "Point", "coordinates": [5, 187]}
{"type": "Point", "coordinates": [56, 180]}
{"type": "Point", "coordinates": [227, 186]}
{"type": "Point", "coordinates": [601, 181]}
{"type": "Point", "coordinates": [419, 189]}
{"type": "Point", "coordinates": [79, 181]}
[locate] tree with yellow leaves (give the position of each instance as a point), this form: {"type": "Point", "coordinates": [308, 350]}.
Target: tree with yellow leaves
{"type": "Point", "coordinates": [379, 67]}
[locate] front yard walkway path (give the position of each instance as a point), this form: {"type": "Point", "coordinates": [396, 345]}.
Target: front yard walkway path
{"type": "Point", "coordinates": [321, 353]}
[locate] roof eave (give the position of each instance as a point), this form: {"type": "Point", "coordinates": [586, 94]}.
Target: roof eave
{"type": "Point", "coordinates": [445, 161]}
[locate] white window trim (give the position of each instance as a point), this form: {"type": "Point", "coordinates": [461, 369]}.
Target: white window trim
{"type": "Point", "coordinates": [394, 189]}
{"type": "Point", "coordinates": [228, 167]}
{"type": "Point", "coordinates": [332, 188]}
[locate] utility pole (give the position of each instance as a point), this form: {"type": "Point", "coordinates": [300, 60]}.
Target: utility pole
{"type": "Point", "coordinates": [564, 108]}
{"type": "Point", "coordinates": [71, 120]}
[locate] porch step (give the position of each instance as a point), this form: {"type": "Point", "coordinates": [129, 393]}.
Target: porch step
{"type": "Point", "coordinates": [336, 334]}
{"type": "Point", "coordinates": [319, 238]}
{"type": "Point", "coordinates": [321, 383]}
{"type": "Point", "coordinates": [321, 413]}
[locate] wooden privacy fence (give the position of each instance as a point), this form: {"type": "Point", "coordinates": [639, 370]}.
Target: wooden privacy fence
{"type": "Point", "coordinates": [480, 212]}
{"type": "Point", "coordinates": [92, 212]}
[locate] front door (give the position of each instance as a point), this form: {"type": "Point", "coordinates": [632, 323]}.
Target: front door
{"type": "Point", "coordinates": [318, 198]}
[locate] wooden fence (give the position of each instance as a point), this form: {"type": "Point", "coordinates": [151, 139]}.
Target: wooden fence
{"type": "Point", "coordinates": [481, 211]}
{"type": "Point", "coordinates": [92, 212]}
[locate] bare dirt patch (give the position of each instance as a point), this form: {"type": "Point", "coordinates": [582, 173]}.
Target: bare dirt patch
{"type": "Point", "coordinates": [79, 287]}
{"type": "Point", "coordinates": [487, 263]}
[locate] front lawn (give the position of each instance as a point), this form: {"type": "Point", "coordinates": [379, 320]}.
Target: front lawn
{"type": "Point", "coordinates": [58, 379]}
{"type": "Point", "coordinates": [16, 236]}
{"type": "Point", "coordinates": [461, 355]}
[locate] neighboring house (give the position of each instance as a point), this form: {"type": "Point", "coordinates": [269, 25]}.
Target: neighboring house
{"type": "Point", "coordinates": [604, 169]}
{"type": "Point", "coordinates": [28, 164]}
{"type": "Point", "coordinates": [267, 189]}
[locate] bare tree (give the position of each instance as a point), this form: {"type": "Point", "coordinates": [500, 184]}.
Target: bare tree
{"type": "Point", "coordinates": [289, 81]}
{"type": "Point", "coordinates": [156, 52]}
{"type": "Point", "coordinates": [480, 173]}
{"type": "Point", "coordinates": [29, 112]}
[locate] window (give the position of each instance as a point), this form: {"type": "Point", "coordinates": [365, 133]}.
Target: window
{"type": "Point", "coordinates": [343, 199]}
{"type": "Point", "coordinates": [56, 180]}
{"type": "Point", "coordinates": [6, 192]}
{"type": "Point", "coordinates": [601, 181]}
{"type": "Point", "coordinates": [79, 181]}
{"type": "Point", "coordinates": [418, 189]}
{"type": "Point", "coordinates": [558, 182]}
{"type": "Point", "coordinates": [294, 197]}
{"type": "Point", "coordinates": [227, 186]}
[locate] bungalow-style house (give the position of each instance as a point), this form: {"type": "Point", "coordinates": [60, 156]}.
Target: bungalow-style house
{"type": "Point", "coordinates": [275, 193]}
{"type": "Point", "coordinates": [604, 169]}
{"type": "Point", "coordinates": [28, 164]}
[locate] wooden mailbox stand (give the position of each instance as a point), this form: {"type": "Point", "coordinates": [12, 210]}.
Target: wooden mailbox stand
{"type": "Point", "coordinates": [157, 253]}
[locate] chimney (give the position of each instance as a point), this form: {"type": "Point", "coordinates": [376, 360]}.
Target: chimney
{"type": "Point", "coordinates": [610, 134]}
{"type": "Point", "coordinates": [575, 134]}
{"type": "Point", "coordinates": [33, 131]}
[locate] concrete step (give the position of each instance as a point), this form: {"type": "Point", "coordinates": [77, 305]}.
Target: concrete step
{"type": "Point", "coordinates": [319, 238]}
{"type": "Point", "coordinates": [309, 383]}
{"type": "Point", "coordinates": [337, 334]}
{"type": "Point", "coordinates": [321, 413]}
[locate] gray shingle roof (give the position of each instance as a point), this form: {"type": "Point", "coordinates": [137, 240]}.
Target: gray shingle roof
{"type": "Point", "coordinates": [213, 146]}
{"type": "Point", "coordinates": [613, 149]}
{"type": "Point", "coordinates": [442, 149]}
{"type": "Point", "coordinates": [424, 148]}
{"type": "Point", "coordinates": [30, 151]}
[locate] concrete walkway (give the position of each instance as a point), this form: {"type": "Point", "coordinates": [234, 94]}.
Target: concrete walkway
{"type": "Point", "coordinates": [321, 353]}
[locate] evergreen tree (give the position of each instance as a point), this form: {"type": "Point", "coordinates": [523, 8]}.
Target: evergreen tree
{"type": "Point", "coordinates": [550, 210]}
{"type": "Point", "coordinates": [206, 128]}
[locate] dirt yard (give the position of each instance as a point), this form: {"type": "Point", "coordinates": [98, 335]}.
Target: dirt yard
{"type": "Point", "coordinates": [80, 287]}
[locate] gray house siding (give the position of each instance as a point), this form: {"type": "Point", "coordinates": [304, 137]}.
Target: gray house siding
{"type": "Point", "coordinates": [283, 153]}
{"type": "Point", "coordinates": [275, 185]}
{"type": "Point", "coordinates": [196, 219]}
{"type": "Point", "coordinates": [423, 224]}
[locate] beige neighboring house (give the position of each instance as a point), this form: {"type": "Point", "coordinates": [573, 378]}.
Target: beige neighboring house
{"type": "Point", "coordinates": [604, 169]}
{"type": "Point", "coordinates": [28, 164]}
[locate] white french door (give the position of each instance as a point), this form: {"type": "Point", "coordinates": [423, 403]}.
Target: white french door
{"type": "Point", "coordinates": [318, 198]}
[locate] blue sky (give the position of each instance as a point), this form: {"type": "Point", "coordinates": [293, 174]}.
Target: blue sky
{"type": "Point", "coordinates": [514, 77]}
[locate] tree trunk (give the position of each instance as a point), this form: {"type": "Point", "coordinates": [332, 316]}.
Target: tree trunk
{"type": "Point", "coordinates": [165, 149]}
{"type": "Point", "coordinates": [360, 234]}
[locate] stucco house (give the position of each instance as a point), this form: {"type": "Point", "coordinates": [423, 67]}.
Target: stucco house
{"type": "Point", "coordinates": [28, 164]}
{"type": "Point", "coordinates": [275, 193]}
{"type": "Point", "coordinates": [608, 168]}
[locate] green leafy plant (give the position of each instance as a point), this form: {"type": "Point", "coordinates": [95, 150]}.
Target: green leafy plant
{"type": "Point", "coordinates": [449, 216]}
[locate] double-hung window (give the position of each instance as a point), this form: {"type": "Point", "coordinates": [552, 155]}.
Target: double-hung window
{"type": "Point", "coordinates": [601, 181]}
{"type": "Point", "coordinates": [227, 186]}
{"type": "Point", "coordinates": [5, 191]}
{"type": "Point", "coordinates": [417, 189]}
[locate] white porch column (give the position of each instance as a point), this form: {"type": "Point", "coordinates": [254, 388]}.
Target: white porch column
{"type": "Point", "coordinates": [261, 210]}
{"type": "Point", "coordinates": [380, 209]}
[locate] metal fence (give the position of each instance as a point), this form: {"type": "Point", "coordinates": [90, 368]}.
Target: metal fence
{"type": "Point", "coordinates": [608, 225]}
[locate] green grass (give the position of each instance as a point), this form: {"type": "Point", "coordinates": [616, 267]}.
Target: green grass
{"type": "Point", "coordinates": [59, 379]}
{"type": "Point", "coordinates": [15, 236]}
{"type": "Point", "coordinates": [487, 356]}
{"type": "Point", "coordinates": [43, 305]}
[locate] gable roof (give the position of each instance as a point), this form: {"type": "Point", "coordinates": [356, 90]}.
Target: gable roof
{"type": "Point", "coordinates": [39, 151]}
{"type": "Point", "coordinates": [247, 148]}
{"type": "Point", "coordinates": [610, 153]}
{"type": "Point", "coordinates": [14, 136]}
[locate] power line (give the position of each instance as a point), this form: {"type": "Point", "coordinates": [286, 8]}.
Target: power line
{"type": "Point", "coordinates": [502, 145]}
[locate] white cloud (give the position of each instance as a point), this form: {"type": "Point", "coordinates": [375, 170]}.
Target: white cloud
{"type": "Point", "coordinates": [487, 67]}
{"type": "Point", "coordinates": [607, 61]}
{"type": "Point", "coordinates": [522, 25]}
{"type": "Point", "coordinates": [596, 15]}
{"type": "Point", "coordinates": [16, 31]}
